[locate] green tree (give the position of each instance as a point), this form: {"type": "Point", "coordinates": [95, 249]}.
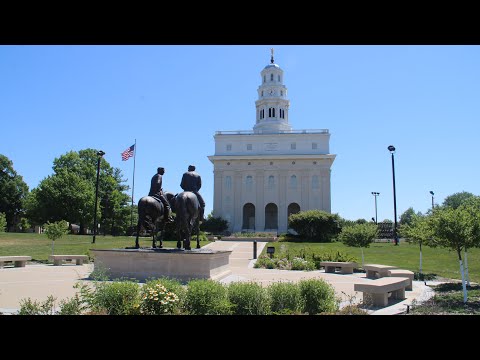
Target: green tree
{"type": "Point", "coordinates": [455, 200]}
{"type": "Point", "coordinates": [407, 217]}
{"type": "Point", "coordinates": [359, 235]}
{"type": "Point", "coordinates": [457, 229]}
{"type": "Point", "coordinates": [13, 191]}
{"type": "Point", "coordinates": [417, 230]}
{"type": "Point", "coordinates": [3, 222]}
{"type": "Point", "coordinates": [215, 225]}
{"type": "Point", "coordinates": [315, 225]}
{"type": "Point", "coordinates": [70, 194]}
{"type": "Point", "coordinates": [55, 231]}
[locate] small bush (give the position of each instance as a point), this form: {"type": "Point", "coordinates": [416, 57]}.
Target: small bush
{"type": "Point", "coordinates": [318, 296]}
{"type": "Point", "coordinates": [286, 298]}
{"type": "Point", "coordinates": [157, 300]}
{"type": "Point", "coordinates": [117, 298]}
{"type": "Point", "coordinates": [249, 298]}
{"type": "Point", "coordinates": [207, 297]}
{"type": "Point", "coordinates": [264, 262]}
{"type": "Point", "coordinates": [351, 310]}
{"type": "Point", "coordinates": [72, 306]}
{"type": "Point", "coordinates": [33, 307]}
{"type": "Point", "coordinates": [174, 286]}
{"type": "Point", "coordinates": [302, 264]}
{"type": "Point", "coordinates": [315, 225]}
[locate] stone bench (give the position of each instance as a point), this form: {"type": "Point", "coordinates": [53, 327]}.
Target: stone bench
{"type": "Point", "coordinates": [345, 267]}
{"type": "Point", "coordinates": [18, 261]}
{"type": "Point", "coordinates": [375, 271]}
{"type": "Point", "coordinates": [58, 259]}
{"type": "Point", "coordinates": [376, 291]}
{"type": "Point", "coordinates": [403, 273]}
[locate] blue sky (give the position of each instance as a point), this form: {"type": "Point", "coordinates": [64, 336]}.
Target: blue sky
{"type": "Point", "coordinates": [424, 100]}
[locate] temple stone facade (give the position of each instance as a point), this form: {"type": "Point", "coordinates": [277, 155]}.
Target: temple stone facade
{"type": "Point", "coordinates": [261, 176]}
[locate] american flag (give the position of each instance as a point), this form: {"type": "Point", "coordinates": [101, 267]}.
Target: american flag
{"type": "Point", "coordinates": [128, 153]}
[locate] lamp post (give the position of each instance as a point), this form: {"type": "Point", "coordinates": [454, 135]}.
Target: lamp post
{"type": "Point", "coordinates": [100, 154]}
{"type": "Point", "coordinates": [375, 194]}
{"type": "Point", "coordinates": [391, 148]}
{"type": "Point", "coordinates": [431, 192]}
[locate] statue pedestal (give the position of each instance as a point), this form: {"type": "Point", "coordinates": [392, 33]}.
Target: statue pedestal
{"type": "Point", "coordinates": [144, 264]}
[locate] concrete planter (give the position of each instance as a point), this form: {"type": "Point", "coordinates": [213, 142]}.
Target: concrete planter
{"type": "Point", "coordinates": [143, 264]}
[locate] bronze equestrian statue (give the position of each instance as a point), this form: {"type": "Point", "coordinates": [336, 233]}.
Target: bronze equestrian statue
{"type": "Point", "coordinates": [151, 215]}
{"type": "Point", "coordinates": [187, 210]}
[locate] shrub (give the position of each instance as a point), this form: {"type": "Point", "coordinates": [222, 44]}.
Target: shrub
{"type": "Point", "coordinates": [351, 310]}
{"type": "Point", "coordinates": [33, 307]}
{"type": "Point", "coordinates": [286, 298]}
{"type": "Point", "coordinates": [318, 296]}
{"type": "Point", "coordinates": [117, 298]}
{"type": "Point", "coordinates": [302, 264]}
{"type": "Point", "coordinates": [207, 297]}
{"type": "Point", "coordinates": [315, 225]}
{"type": "Point", "coordinates": [72, 306]}
{"type": "Point", "coordinates": [174, 286]}
{"type": "Point", "coordinates": [249, 298]}
{"type": "Point", "coordinates": [265, 262]}
{"type": "Point", "coordinates": [157, 300]}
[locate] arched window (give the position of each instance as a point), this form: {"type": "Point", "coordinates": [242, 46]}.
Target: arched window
{"type": "Point", "coordinates": [271, 77]}
{"type": "Point", "coordinates": [264, 78]}
{"type": "Point", "coordinates": [293, 182]}
{"type": "Point", "coordinates": [262, 92]}
{"type": "Point", "coordinates": [249, 183]}
{"type": "Point", "coordinates": [278, 78]}
{"type": "Point", "coordinates": [281, 92]}
{"type": "Point", "coordinates": [315, 182]}
{"type": "Point", "coordinates": [270, 112]}
{"type": "Point", "coordinates": [228, 182]}
{"type": "Point", "coordinates": [273, 112]}
{"type": "Point", "coordinates": [271, 182]}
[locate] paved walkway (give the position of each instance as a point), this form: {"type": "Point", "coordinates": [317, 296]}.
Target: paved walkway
{"type": "Point", "coordinates": [37, 282]}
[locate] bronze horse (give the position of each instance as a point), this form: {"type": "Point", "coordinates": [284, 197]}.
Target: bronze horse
{"type": "Point", "coordinates": [151, 216]}
{"type": "Point", "coordinates": [187, 209]}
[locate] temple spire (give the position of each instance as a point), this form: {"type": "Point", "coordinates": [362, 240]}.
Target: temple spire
{"type": "Point", "coordinates": [271, 58]}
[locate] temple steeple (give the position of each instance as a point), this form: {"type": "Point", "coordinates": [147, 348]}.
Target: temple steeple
{"type": "Point", "coordinates": [272, 104]}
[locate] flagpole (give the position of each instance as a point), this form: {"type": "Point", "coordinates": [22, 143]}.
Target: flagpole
{"type": "Point", "coordinates": [133, 186]}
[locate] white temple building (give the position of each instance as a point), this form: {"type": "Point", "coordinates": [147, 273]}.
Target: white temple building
{"type": "Point", "coordinates": [261, 176]}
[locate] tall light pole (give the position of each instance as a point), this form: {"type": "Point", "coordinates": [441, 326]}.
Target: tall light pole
{"type": "Point", "coordinates": [391, 148]}
{"type": "Point", "coordinates": [431, 192]}
{"type": "Point", "coordinates": [100, 154]}
{"type": "Point", "coordinates": [375, 194]}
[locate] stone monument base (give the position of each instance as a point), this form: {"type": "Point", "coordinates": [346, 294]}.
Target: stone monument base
{"type": "Point", "coordinates": [144, 264]}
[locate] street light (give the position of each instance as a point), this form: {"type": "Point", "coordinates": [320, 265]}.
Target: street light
{"type": "Point", "coordinates": [431, 192]}
{"type": "Point", "coordinates": [391, 148]}
{"type": "Point", "coordinates": [100, 154]}
{"type": "Point", "coordinates": [375, 194]}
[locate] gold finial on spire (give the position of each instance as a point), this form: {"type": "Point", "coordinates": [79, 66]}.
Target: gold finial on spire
{"type": "Point", "coordinates": [271, 59]}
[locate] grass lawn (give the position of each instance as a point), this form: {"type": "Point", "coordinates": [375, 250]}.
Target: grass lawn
{"type": "Point", "coordinates": [442, 262]}
{"type": "Point", "coordinates": [39, 247]}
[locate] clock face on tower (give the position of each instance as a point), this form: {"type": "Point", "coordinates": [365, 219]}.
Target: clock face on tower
{"type": "Point", "coordinates": [271, 92]}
